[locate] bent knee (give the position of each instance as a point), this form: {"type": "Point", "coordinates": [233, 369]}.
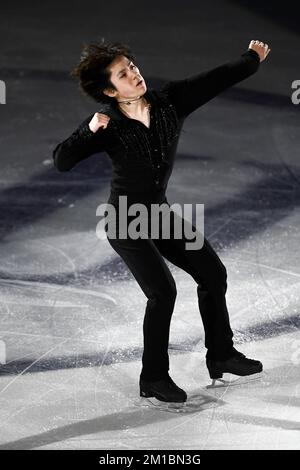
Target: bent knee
{"type": "Point", "coordinates": [220, 275]}
{"type": "Point", "coordinates": [215, 276]}
{"type": "Point", "coordinates": [166, 294]}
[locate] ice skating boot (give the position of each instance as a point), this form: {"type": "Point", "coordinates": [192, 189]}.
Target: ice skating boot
{"type": "Point", "coordinates": [237, 364]}
{"type": "Point", "coordinates": [164, 390]}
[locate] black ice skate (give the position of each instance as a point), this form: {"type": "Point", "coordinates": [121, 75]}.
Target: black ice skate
{"type": "Point", "coordinates": [237, 364]}
{"type": "Point", "coordinates": [164, 390]}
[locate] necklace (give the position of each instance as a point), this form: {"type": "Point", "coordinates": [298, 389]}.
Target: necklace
{"type": "Point", "coordinates": [148, 106]}
{"type": "Point", "coordinates": [129, 102]}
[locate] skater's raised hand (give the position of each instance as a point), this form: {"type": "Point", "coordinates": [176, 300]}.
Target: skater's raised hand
{"type": "Point", "coordinates": [261, 48]}
{"type": "Point", "coordinates": [97, 121]}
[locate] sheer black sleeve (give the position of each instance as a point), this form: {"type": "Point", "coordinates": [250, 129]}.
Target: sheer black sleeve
{"type": "Point", "coordinates": [189, 94]}
{"type": "Point", "coordinates": [81, 144]}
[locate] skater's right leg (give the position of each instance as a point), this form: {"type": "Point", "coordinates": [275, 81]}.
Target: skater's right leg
{"type": "Point", "coordinates": [154, 277]}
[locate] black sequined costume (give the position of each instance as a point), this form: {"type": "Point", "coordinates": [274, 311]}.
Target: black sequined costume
{"type": "Point", "coordinates": [142, 161]}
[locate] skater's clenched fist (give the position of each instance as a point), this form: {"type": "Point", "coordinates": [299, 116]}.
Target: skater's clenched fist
{"type": "Point", "coordinates": [97, 121]}
{"type": "Point", "coordinates": [261, 48]}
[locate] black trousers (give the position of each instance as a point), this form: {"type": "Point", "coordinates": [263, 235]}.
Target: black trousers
{"type": "Point", "coordinates": [145, 259]}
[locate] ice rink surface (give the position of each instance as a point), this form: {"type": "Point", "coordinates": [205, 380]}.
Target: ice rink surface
{"type": "Point", "coordinates": [71, 312]}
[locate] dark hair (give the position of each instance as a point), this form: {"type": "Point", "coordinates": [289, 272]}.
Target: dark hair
{"type": "Point", "coordinates": [92, 68]}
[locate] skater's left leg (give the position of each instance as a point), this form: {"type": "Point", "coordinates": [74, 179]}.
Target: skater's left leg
{"type": "Point", "coordinates": [209, 272]}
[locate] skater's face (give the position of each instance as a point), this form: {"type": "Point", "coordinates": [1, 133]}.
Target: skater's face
{"type": "Point", "coordinates": [126, 78]}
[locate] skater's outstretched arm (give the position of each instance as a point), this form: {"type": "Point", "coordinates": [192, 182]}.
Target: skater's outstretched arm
{"type": "Point", "coordinates": [189, 94]}
{"type": "Point", "coordinates": [86, 140]}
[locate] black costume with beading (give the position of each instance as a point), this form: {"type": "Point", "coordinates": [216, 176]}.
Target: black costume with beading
{"type": "Point", "coordinates": [142, 161]}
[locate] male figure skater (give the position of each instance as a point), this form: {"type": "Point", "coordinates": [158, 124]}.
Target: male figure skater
{"type": "Point", "coordinates": [139, 129]}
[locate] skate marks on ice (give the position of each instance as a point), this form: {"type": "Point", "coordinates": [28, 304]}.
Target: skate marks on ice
{"type": "Point", "coordinates": [196, 402]}
{"type": "Point", "coordinates": [201, 400]}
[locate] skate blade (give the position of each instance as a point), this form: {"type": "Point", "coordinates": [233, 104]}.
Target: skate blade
{"type": "Point", "coordinates": [160, 405]}
{"type": "Point", "coordinates": [195, 402]}
{"type": "Point", "coordinates": [232, 382]}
